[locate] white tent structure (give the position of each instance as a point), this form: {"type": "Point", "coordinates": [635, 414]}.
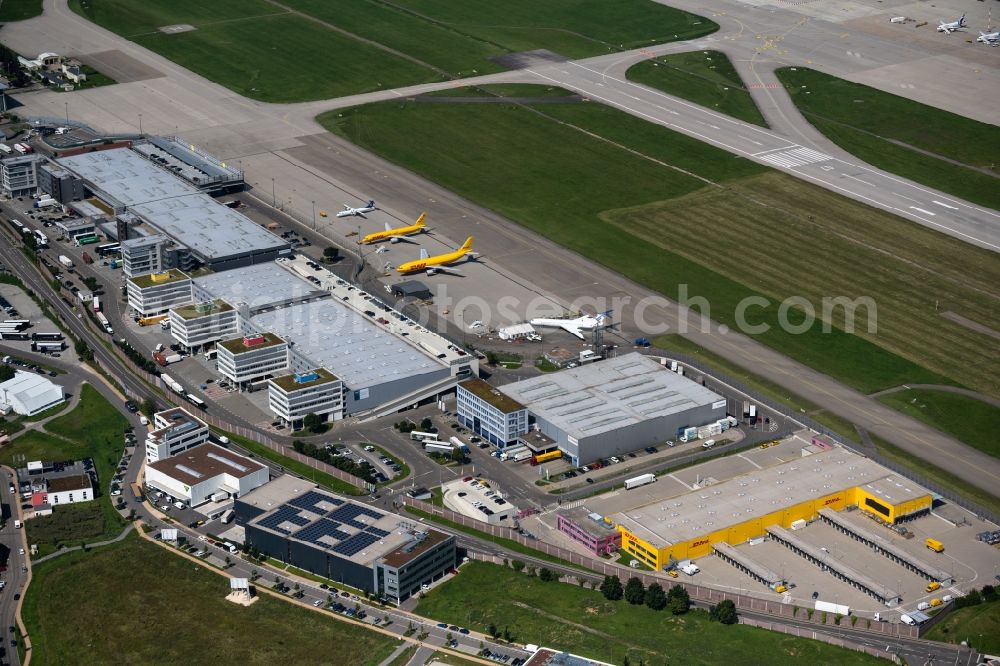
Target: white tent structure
{"type": "Point", "coordinates": [28, 393]}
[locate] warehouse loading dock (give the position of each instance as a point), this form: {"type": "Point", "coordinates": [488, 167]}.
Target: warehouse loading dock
{"type": "Point", "coordinates": [748, 565]}
{"type": "Point", "coordinates": [840, 570]}
{"type": "Point", "coordinates": [884, 546]}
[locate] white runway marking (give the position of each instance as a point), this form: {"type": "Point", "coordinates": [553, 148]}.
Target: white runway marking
{"type": "Point", "coordinates": [921, 210]}
{"type": "Point", "coordinates": [847, 175]}
{"type": "Point", "coordinates": [756, 143]}
{"type": "Point", "coordinates": [944, 204]}
{"type": "Point", "coordinates": [795, 157]}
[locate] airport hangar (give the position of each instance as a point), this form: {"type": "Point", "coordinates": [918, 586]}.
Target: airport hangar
{"type": "Point", "coordinates": [751, 505]}
{"type": "Point", "coordinates": [607, 408]}
{"type": "Point", "coordinates": [345, 541]}
{"type": "Point", "coordinates": [143, 198]}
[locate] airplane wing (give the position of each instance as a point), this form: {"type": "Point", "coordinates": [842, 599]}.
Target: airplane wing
{"type": "Point", "coordinates": [444, 269]}
{"type": "Point", "coordinates": [573, 329]}
{"type": "Point", "coordinates": [360, 214]}
{"type": "Point", "coordinates": [423, 253]}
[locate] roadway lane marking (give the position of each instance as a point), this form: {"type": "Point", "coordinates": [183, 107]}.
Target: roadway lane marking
{"type": "Point", "coordinates": [847, 175]}
{"type": "Point", "coordinates": [714, 126]}
{"type": "Point", "coordinates": [772, 150]}
{"type": "Point", "coordinates": [795, 157]}
{"type": "Point", "coordinates": [921, 210]}
{"type": "Point", "coordinates": [943, 204]}
{"type": "Point", "coordinates": [745, 138]}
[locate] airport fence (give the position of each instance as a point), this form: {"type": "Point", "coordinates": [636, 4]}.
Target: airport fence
{"type": "Point", "coordinates": [701, 593]}
{"type": "Point", "coordinates": [803, 632]}
{"type": "Point", "coordinates": [803, 420]}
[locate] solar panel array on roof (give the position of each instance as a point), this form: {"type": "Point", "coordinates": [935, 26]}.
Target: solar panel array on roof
{"type": "Point", "coordinates": [324, 527]}
{"type": "Point", "coordinates": [315, 502]}
{"type": "Point", "coordinates": [381, 534]}
{"type": "Point", "coordinates": [355, 544]}
{"type": "Point", "coordinates": [348, 513]}
{"type": "Point", "coordinates": [284, 514]}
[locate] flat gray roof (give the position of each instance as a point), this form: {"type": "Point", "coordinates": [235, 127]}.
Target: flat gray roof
{"type": "Point", "coordinates": [346, 343]}
{"type": "Point", "coordinates": [757, 493]}
{"type": "Point", "coordinates": [207, 227]}
{"type": "Point", "coordinates": [170, 204]}
{"type": "Point", "coordinates": [257, 285]}
{"type": "Point", "coordinates": [609, 394]}
{"type": "Point", "coordinates": [128, 177]}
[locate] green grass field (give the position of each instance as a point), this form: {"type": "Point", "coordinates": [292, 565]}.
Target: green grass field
{"type": "Point", "coordinates": [584, 622]}
{"type": "Point", "coordinates": [300, 50]}
{"type": "Point", "coordinates": [703, 77]}
{"type": "Point", "coordinates": [979, 625]}
{"type": "Point", "coordinates": [18, 10]}
{"type": "Point", "coordinates": [148, 606]}
{"type": "Point", "coordinates": [94, 428]}
{"type": "Point", "coordinates": [927, 145]}
{"type": "Point", "coordinates": [967, 419]}
{"type": "Point", "coordinates": [636, 200]}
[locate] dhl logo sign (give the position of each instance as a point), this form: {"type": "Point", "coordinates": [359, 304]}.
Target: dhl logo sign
{"type": "Point", "coordinates": [831, 501]}
{"type": "Point", "coordinates": [699, 543]}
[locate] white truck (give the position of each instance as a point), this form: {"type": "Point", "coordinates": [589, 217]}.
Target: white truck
{"type": "Point", "coordinates": [637, 481]}
{"type": "Point", "coordinates": [172, 384]}
{"type": "Point", "coordinates": [105, 323]}
{"type": "Point", "coordinates": [227, 517]}
{"type": "Point", "coordinates": [690, 568]}
{"type": "Point", "coordinates": [522, 455]}
{"type": "Point", "coordinates": [438, 447]}
{"type": "Point", "coordinates": [65, 261]}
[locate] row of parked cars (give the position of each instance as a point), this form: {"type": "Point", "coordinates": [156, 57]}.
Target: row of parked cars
{"type": "Point", "coordinates": [501, 658]}
{"type": "Point", "coordinates": [992, 538]}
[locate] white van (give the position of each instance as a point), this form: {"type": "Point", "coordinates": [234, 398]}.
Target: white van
{"type": "Point", "coordinates": [708, 444]}
{"type": "Point", "coordinates": [17, 524]}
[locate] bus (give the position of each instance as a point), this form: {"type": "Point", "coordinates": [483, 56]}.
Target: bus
{"type": "Point", "coordinates": [16, 224]}
{"type": "Point", "coordinates": [87, 240]}
{"type": "Point", "coordinates": [48, 347]}
{"type": "Point", "coordinates": [19, 324]}
{"type": "Point", "coordinates": [51, 337]}
{"type": "Point", "coordinates": [423, 436]}
{"type": "Point", "coordinates": [14, 336]}
{"type": "Point", "coordinates": [41, 240]}
{"type": "Point", "coordinates": [108, 248]}
{"type": "Point", "coordinates": [136, 492]}
{"type": "Point", "coordinates": [195, 400]}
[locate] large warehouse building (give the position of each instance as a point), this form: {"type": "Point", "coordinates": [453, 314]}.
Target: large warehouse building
{"type": "Point", "coordinates": [151, 196]}
{"type": "Point", "coordinates": [614, 406]}
{"type": "Point", "coordinates": [688, 525]}
{"type": "Point", "coordinates": [342, 540]}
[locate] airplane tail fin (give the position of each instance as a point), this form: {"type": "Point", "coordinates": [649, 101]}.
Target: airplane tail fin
{"type": "Point", "coordinates": [420, 220]}
{"type": "Point", "coordinates": [467, 245]}
{"type": "Point", "coordinates": [371, 203]}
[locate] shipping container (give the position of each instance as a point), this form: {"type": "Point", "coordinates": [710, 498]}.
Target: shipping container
{"type": "Point", "coordinates": [65, 261]}
{"type": "Point", "coordinates": [545, 457]}
{"type": "Point", "coordinates": [829, 607]}
{"type": "Point", "coordinates": [149, 321]}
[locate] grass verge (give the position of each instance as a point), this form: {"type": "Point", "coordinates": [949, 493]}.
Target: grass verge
{"type": "Point", "coordinates": [933, 147]}
{"type": "Point", "coordinates": [707, 78]}
{"type": "Point", "coordinates": [124, 585]}
{"type": "Point", "coordinates": [979, 625]}
{"type": "Point", "coordinates": [293, 466]}
{"type": "Point", "coordinates": [972, 421]}
{"type": "Point", "coordinates": [633, 196]}
{"type": "Point", "coordinates": [582, 621]}
{"type": "Point", "coordinates": [18, 10]}
{"type": "Point", "coordinates": [506, 543]}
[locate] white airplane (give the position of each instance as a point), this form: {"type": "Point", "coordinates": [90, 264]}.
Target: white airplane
{"type": "Point", "coordinates": [991, 38]}
{"type": "Point", "coordinates": [575, 326]}
{"type": "Point", "coordinates": [62, 130]}
{"type": "Point", "coordinates": [348, 211]}
{"type": "Point", "coordinates": [952, 26]}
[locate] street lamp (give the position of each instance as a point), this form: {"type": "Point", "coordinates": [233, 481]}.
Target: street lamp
{"type": "Point", "coordinates": [274, 199]}
{"type": "Point", "coordinates": [140, 123]}
{"type": "Point", "coordinates": [314, 215]}
{"type": "Point", "coordinates": [66, 105]}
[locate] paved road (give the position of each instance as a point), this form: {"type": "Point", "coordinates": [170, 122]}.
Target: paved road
{"type": "Point", "coordinates": [15, 577]}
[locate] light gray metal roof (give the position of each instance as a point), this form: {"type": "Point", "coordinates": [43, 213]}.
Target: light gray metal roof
{"type": "Point", "coordinates": [258, 285]}
{"type": "Point", "coordinates": [343, 341]}
{"type": "Point", "coordinates": [607, 395]}
{"type": "Point", "coordinates": [170, 204]}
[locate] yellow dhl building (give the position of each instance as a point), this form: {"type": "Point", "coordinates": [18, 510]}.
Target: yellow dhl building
{"type": "Point", "coordinates": [685, 526]}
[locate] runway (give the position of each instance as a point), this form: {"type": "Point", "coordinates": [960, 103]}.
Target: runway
{"type": "Point", "coordinates": [282, 146]}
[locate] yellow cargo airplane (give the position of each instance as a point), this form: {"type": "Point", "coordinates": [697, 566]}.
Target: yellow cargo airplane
{"type": "Point", "coordinates": [438, 262]}
{"type": "Point", "coordinates": [397, 234]}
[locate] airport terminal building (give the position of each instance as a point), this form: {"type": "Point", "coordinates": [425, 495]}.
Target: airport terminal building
{"type": "Point", "coordinates": [342, 540]}
{"type": "Point", "coordinates": [614, 406]}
